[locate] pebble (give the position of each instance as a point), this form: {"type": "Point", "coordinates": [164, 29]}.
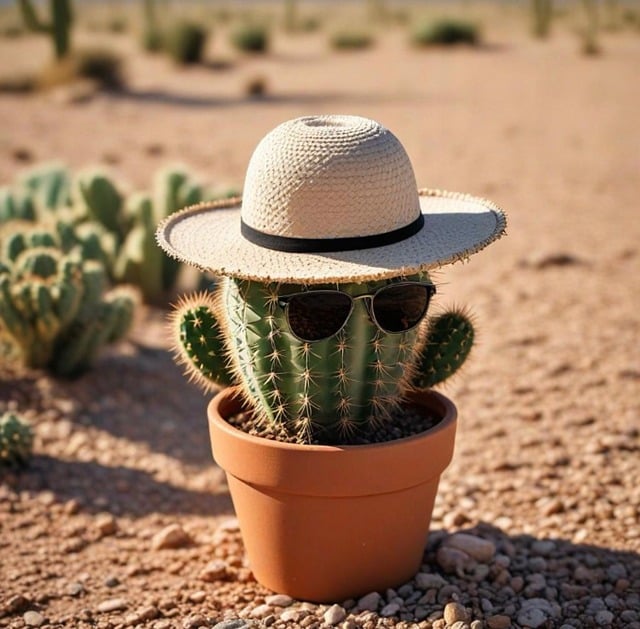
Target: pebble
{"type": "Point", "coordinates": [604, 618]}
{"type": "Point", "coordinates": [455, 612]}
{"type": "Point", "coordinates": [112, 605]}
{"type": "Point", "coordinates": [261, 611]}
{"type": "Point", "coordinates": [482, 550]}
{"type": "Point", "coordinates": [369, 602]}
{"type": "Point", "coordinates": [198, 597]}
{"type": "Point", "coordinates": [215, 570]}
{"type": "Point", "coordinates": [427, 580]}
{"type": "Point", "coordinates": [75, 589]}
{"type": "Point", "coordinates": [532, 617]}
{"type": "Point", "coordinates": [453, 560]}
{"type": "Point", "coordinates": [236, 623]}
{"type": "Point", "coordinates": [194, 621]}
{"type": "Point", "coordinates": [171, 537]}
{"type": "Point", "coordinates": [498, 621]}
{"type": "Point", "coordinates": [106, 524]}
{"type": "Point", "coordinates": [390, 610]}
{"type": "Point", "coordinates": [279, 600]}
{"type": "Point", "coordinates": [33, 619]}
{"type": "Point", "coordinates": [334, 615]}
{"type": "Point", "coordinates": [142, 615]}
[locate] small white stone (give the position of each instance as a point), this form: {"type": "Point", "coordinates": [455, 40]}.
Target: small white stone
{"type": "Point", "coordinates": [33, 619]}
{"type": "Point", "coordinates": [478, 548]}
{"type": "Point", "coordinates": [261, 611]}
{"type": "Point", "coordinates": [172, 536]}
{"type": "Point", "coordinates": [334, 615]}
{"type": "Point", "coordinates": [112, 605]}
{"type": "Point", "coordinates": [279, 600]}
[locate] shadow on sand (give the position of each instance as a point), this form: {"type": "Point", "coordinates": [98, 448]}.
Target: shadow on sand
{"type": "Point", "coordinates": [119, 490]}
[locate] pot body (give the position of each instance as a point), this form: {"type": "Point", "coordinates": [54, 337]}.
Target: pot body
{"type": "Point", "coordinates": [328, 523]}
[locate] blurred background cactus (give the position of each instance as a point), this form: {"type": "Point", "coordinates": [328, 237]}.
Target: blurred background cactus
{"type": "Point", "coordinates": [58, 27]}
{"type": "Point", "coordinates": [16, 440]}
{"type": "Point", "coordinates": [93, 211]}
{"type": "Point", "coordinates": [330, 391]}
{"type": "Point", "coordinates": [185, 41]}
{"type": "Point", "coordinates": [56, 310]}
{"type": "Point", "coordinates": [541, 12]}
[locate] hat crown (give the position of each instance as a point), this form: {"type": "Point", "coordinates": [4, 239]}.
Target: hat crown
{"type": "Point", "coordinates": [329, 177]}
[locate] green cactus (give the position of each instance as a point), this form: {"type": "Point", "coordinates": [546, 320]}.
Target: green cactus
{"type": "Point", "coordinates": [58, 27]}
{"type": "Point", "coordinates": [325, 391]}
{"type": "Point", "coordinates": [54, 308]}
{"type": "Point", "coordinates": [48, 185]}
{"type": "Point", "coordinates": [16, 440]}
{"type": "Point", "coordinates": [99, 200]}
{"type": "Point", "coordinates": [90, 210]}
{"type": "Point", "coordinates": [16, 206]}
{"type": "Point", "coordinates": [140, 261]}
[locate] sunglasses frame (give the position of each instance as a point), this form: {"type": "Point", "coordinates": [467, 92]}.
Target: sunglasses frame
{"type": "Point", "coordinates": [284, 300]}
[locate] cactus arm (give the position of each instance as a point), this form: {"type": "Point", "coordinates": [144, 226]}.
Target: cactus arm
{"type": "Point", "coordinates": [198, 341]}
{"type": "Point", "coordinates": [449, 341]}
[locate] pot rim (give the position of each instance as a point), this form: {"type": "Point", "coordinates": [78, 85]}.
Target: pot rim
{"type": "Point", "coordinates": [334, 470]}
{"type": "Point", "coordinates": [449, 411]}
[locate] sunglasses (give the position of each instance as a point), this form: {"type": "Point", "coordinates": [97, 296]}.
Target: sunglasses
{"type": "Point", "coordinates": [316, 315]}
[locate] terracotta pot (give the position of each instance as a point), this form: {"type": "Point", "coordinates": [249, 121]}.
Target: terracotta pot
{"type": "Point", "coordinates": [328, 523]}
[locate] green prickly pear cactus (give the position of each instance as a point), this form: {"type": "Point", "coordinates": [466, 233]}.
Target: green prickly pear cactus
{"type": "Point", "coordinates": [55, 309]}
{"type": "Point", "coordinates": [325, 391]}
{"type": "Point", "coordinates": [16, 440]}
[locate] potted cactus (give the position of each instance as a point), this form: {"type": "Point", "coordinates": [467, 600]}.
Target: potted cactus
{"type": "Point", "coordinates": [320, 335]}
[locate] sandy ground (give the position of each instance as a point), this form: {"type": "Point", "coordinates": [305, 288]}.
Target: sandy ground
{"type": "Point", "coordinates": [549, 405]}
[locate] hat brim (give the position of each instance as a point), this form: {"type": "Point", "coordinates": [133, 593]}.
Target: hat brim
{"type": "Point", "coordinates": [208, 237]}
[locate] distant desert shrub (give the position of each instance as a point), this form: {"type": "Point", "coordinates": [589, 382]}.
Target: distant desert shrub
{"type": "Point", "coordinates": [96, 64]}
{"type": "Point", "coordinates": [185, 42]}
{"type": "Point", "coordinates": [255, 87]}
{"type": "Point", "coordinates": [251, 38]}
{"type": "Point", "coordinates": [18, 83]}
{"type": "Point", "coordinates": [152, 40]}
{"type": "Point", "coordinates": [446, 32]}
{"type": "Point", "coordinates": [351, 39]}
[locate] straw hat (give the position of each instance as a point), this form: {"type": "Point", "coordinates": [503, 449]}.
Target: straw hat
{"type": "Point", "coordinates": [330, 199]}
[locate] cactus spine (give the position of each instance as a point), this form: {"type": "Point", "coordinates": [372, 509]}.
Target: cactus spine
{"type": "Point", "coordinates": [16, 440]}
{"type": "Point", "coordinates": [328, 390]}
{"type": "Point", "coordinates": [59, 26]}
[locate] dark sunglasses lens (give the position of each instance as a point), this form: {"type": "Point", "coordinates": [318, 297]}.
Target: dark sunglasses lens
{"type": "Point", "coordinates": [317, 315]}
{"type": "Point", "coordinates": [400, 308]}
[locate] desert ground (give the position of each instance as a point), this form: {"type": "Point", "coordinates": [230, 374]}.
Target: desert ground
{"type": "Point", "coordinates": [547, 463]}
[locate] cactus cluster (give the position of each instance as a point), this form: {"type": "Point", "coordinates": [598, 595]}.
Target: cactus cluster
{"type": "Point", "coordinates": [118, 231]}
{"type": "Point", "coordinates": [327, 391]}
{"type": "Point", "coordinates": [16, 440]}
{"type": "Point", "coordinates": [55, 307]}
{"type": "Point", "coordinates": [132, 223]}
